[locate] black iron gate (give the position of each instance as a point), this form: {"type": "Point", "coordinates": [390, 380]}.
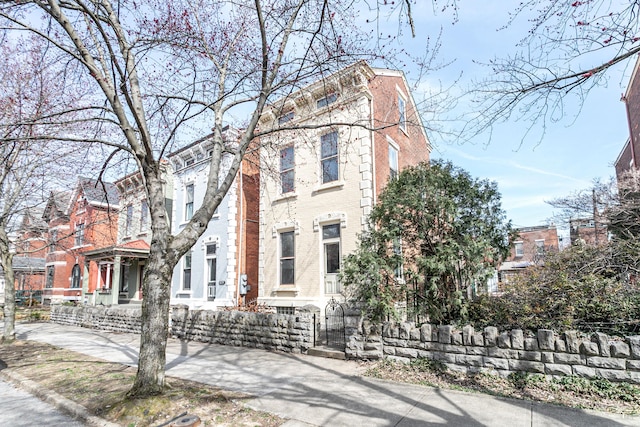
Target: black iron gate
{"type": "Point", "coordinates": [334, 324]}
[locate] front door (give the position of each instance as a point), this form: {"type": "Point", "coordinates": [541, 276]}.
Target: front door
{"type": "Point", "coordinates": [331, 253]}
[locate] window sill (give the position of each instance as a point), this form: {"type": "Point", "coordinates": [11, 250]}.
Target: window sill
{"type": "Point", "coordinates": [286, 196]}
{"type": "Point", "coordinates": [84, 245]}
{"type": "Point", "coordinates": [329, 186]}
{"type": "Point", "coordinates": [287, 289]}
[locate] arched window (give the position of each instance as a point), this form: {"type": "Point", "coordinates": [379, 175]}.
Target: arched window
{"type": "Point", "coordinates": [75, 276]}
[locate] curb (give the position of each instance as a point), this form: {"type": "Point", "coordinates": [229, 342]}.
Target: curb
{"type": "Point", "coordinates": [78, 412]}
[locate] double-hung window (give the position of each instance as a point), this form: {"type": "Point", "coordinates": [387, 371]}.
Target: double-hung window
{"type": "Point", "coordinates": [329, 157]}
{"type": "Point", "coordinates": [50, 273]}
{"type": "Point", "coordinates": [186, 272]}
{"type": "Point", "coordinates": [79, 241]}
{"type": "Point", "coordinates": [539, 246]}
{"type": "Point", "coordinates": [402, 113]}
{"type": "Point", "coordinates": [393, 162]}
{"type": "Point", "coordinates": [188, 204]}
{"type": "Point", "coordinates": [129, 220]}
{"type": "Point", "coordinates": [287, 171]}
{"type": "Point", "coordinates": [144, 216]}
{"type": "Point", "coordinates": [210, 255]}
{"type": "Point", "coordinates": [287, 258]}
{"type": "Point", "coordinates": [519, 247]}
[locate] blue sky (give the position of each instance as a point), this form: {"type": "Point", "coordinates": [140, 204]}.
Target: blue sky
{"type": "Point", "coordinates": [573, 151]}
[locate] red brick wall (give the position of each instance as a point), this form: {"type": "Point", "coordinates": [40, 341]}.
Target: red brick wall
{"type": "Point", "coordinates": [632, 101]}
{"type": "Point", "coordinates": [413, 146]}
{"type": "Point", "coordinates": [249, 235]}
{"type": "Point", "coordinates": [529, 237]}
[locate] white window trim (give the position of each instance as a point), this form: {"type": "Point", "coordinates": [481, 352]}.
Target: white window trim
{"type": "Point", "coordinates": [182, 265]}
{"type": "Point", "coordinates": [328, 218]}
{"type": "Point", "coordinates": [280, 285]}
{"type": "Point", "coordinates": [184, 201]}
{"type": "Point", "coordinates": [515, 248]}
{"type": "Point", "coordinates": [331, 184]}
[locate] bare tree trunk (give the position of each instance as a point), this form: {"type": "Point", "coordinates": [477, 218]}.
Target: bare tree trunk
{"type": "Point", "coordinates": [6, 258]}
{"type": "Point", "coordinates": [156, 292]}
{"type": "Point", "coordinates": [155, 322]}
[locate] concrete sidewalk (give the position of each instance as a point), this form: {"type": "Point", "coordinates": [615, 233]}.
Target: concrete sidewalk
{"type": "Point", "coordinates": [312, 391]}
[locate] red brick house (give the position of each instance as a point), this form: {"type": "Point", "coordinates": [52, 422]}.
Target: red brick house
{"type": "Point", "coordinates": [77, 222]}
{"type": "Point", "coordinates": [528, 248]}
{"type": "Point", "coordinates": [29, 259]}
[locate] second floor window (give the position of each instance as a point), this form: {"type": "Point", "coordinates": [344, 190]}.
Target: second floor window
{"type": "Point", "coordinates": [519, 246]}
{"type": "Point", "coordinates": [393, 162]}
{"type": "Point", "coordinates": [79, 234]}
{"type": "Point", "coordinates": [329, 156]}
{"type": "Point", "coordinates": [144, 216]}
{"type": "Point", "coordinates": [129, 220]}
{"type": "Point", "coordinates": [540, 247]}
{"type": "Point", "coordinates": [287, 173]}
{"type": "Point", "coordinates": [188, 205]}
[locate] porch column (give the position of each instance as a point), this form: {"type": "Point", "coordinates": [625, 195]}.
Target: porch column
{"type": "Point", "coordinates": [115, 280]}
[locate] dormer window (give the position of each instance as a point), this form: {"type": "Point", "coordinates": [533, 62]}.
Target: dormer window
{"type": "Point", "coordinates": [327, 100]}
{"type": "Point", "coordinates": [287, 117]}
{"type": "Point", "coordinates": [189, 161]}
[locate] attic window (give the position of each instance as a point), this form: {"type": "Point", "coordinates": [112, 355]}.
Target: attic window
{"type": "Point", "coordinates": [327, 100]}
{"type": "Point", "coordinates": [287, 117]}
{"type": "Point", "coordinates": [189, 162]}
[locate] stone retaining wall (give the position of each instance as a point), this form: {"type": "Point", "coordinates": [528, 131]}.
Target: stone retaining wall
{"type": "Point", "coordinates": [545, 352]}
{"type": "Point", "coordinates": [288, 333]}
{"type": "Point", "coordinates": [468, 350]}
{"type": "Point", "coordinates": [282, 332]}
{"type": "Point", "coordinates": [114, 319]}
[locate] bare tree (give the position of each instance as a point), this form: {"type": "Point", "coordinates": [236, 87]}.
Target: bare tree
{"type": "Point", "coordinates": [165, 73]}
{"type": "Point", "coordinates": [31, 93]}
{"type": "Point", "coordinates": [567, 51]}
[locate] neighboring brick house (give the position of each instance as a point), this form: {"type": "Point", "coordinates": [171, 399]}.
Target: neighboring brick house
{"type": "Point", "coordinates": [30, 252]}
{"type": "Point", "coordinates": [628, 158]}
{"type": "Point", "coordinates": [117, 269]}
{"type": "Point", "coordinates": [585, 231]}
{"type": "Point", "coordinates": [78, 222]}
{"type": "Point", "coordinates": [320, 182]}
{"type": "Point", "coordinates": [529, 248]}
{"type": "Point", "coordinates": [221, 267]}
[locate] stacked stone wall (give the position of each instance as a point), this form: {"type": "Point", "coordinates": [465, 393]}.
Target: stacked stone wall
{"type": "Point", "coordinates": [114, 319]}
{"type": "Point", "coordinates": [282, 332]}
{"type": "Point", "coordinates": [468, 350]}
{"type": "Point", "coordinates": [287, 333]}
